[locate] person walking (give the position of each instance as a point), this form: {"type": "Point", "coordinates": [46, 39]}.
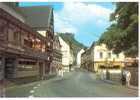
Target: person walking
{"type": "Point", "coordinates": [128, 77]}
{"type": "Point", "coordinates": [60, 71]}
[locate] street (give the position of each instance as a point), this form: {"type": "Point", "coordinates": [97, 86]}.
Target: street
{"type": "Point", "coordinates": [73, 84]}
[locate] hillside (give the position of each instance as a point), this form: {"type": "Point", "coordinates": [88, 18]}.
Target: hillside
{"type": "Point", "coordinates": [74, 44]}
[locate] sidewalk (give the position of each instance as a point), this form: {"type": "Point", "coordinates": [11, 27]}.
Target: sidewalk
{"type": "Point", "coordinates": [117, 83]}
{"type": "Point", "coordinates": [112, 82]}
{"type": "Point", "coordinates": [133, 87]}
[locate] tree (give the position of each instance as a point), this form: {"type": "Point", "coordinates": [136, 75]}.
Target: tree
{"type": "Point", "coordinates": [123, 34]}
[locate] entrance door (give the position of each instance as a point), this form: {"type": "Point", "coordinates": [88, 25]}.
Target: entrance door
{"type": "Point", "coordinates": [9, 68]}
{"type": "Point", "coordinates": [41, 69]}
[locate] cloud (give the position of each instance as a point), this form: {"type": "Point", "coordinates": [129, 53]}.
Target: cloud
{"type": "Point", "coordinates": [61, 25]}
{"type": "Point", "coordinates": [75, 15]}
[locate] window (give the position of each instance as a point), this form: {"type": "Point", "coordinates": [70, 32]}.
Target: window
{"type": "Point", "coordinates": [14, 34]}
{"type": "Point", "coordinates": [2, 27]}
{"type": "Point", "coordinates": [10, 35]}
{"type": "Point", "coordinates": [109, 55]}
{"type": "Point", "coordinates": [26, 66]}
{"type": "Point", "coordinates": [117, 55]}
{"type": "Point", "coordinates": [101, 55]}
{"type": "Point", "coordinates": [16, 37]}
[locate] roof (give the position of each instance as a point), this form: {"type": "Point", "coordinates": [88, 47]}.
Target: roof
{"type": "Point", "coordinates": [11, 4]}
{"type": "Point", "coordinates": [38, 17]}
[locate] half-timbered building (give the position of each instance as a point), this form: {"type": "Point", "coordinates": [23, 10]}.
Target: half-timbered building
{"type": "Point", "coordinates": [24, 50]}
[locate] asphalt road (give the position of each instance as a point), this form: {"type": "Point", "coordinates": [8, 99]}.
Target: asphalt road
{"type": "Point", "coordinates": [73, 84]}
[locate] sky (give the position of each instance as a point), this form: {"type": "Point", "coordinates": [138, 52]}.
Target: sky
{"type": "Point", "coordinates": [86, 20]}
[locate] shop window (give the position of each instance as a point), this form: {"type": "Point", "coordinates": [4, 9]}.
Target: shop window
{"type": "Point", "coordinates": [26, 66]}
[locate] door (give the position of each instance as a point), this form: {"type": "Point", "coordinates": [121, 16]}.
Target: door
{"type": "Point", "coordinates": [41, 69]}
{"type": "Point", "coordinates": [9, 68]}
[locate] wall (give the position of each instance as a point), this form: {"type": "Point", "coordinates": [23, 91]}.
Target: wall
{"type": "Point", "coordinates": [114, 74]}
{"type": "Point", "coordinates": [28, 73]}
{"type": "Point", "coordinates": [1, 67]}
{"type": "Point", "coordinates": [65, 49]}
{"type": "Point", "coordinates": [79, 57]}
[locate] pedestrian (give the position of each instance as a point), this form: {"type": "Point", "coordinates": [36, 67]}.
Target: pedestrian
{"type": "Point", "coordinates": [123, 79]}
{"type": "Point", "coordinates": [128, 77]}
{"type": "Point", "coordinates": [61, 72]}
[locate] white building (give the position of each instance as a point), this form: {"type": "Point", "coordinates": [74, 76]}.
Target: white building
{"type": "Point", "coordinates": [67, 56]}
{"type": "Point", "coordinates": [79, 57]}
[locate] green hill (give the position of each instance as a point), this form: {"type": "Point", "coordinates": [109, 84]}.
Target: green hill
{"type": "Point", "coordinates": [74, 44]}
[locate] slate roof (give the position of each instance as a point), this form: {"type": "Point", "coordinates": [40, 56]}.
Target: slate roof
{"type": "Point", "coordinates": [38, 17]}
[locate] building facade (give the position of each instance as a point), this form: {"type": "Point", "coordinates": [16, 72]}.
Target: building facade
{"type": "Point", "coordinates": [57, 56]}
{"type": "Point", "coordinates": [98, 56]}
{"type": "Point", "coordinates": [79, 57]}
{"type": "Point", "coordinates": [86, 60]}
{"type": "Point", "coordinates": [106, 58]}
{"type": "Point", "coordinates": [67, 55]}
{"type": "Point", "coordinates": [103, 57]}
{"type": "Point", "coordinates": [23, 51]}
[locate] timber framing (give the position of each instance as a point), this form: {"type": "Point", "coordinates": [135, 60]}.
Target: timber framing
{"type": "Point", "coordinates": [23, 51]}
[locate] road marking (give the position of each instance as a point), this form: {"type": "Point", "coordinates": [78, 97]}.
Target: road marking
{"type": "Point", "coordinates": [38, 85]}
{"type": "Point", "coordinates": [32, 91]}
{"type": "Point", "coordinates": [31, 96]}
{"type": "Point", "coordinates": [35, 87]}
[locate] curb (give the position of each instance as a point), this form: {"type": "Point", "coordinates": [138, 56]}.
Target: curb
{"type": "Point", "coordinates": [133, 87]}
{"type": "Point", "coordinates": [111, 82]}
